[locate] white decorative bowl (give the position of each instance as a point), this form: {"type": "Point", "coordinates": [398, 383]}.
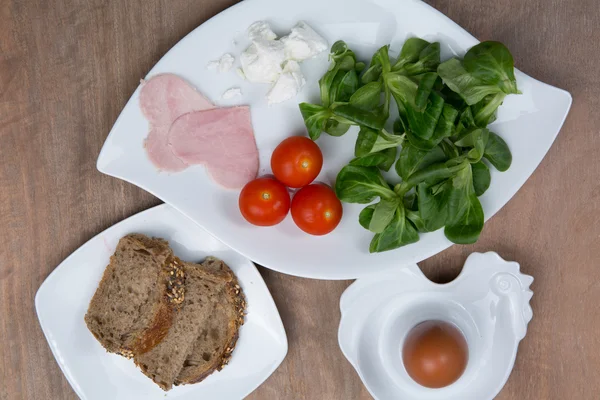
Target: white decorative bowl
{"type": "Point", "coordinates": [488, 302]}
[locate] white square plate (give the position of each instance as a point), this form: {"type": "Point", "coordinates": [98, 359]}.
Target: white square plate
{"type": "Point", "coordinates": [528, 123]}
{"type": "Point", "coordinates": [63, 299]}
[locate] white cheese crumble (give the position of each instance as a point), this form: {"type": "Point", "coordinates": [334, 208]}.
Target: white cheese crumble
{"type": "Point", "coordinates": [272, 60]}
{"type": "Point", "coordinates": [231, 93]}
{"type": "Point", "coordinates": [223, 64]}
{"type": "Point", "coordinates": [261, 30]}
{"type": "Point", "coordinates": [288, 85]}
{"type": "Point", "coordinates": [303, 43]}
{"type": "Point", "coordinates": [261, 62]}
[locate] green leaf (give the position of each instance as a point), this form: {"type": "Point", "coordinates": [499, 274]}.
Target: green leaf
{"type": "Point", "coordinates": [367, 97]}
{"type": "Point", "coordinates": [410, 52]}
{"type": "Point", "coordinates": [341, 80]}
{"type": "Point", "coordinates": [452, 98]}
{"type": "Point", "coordinates": [481, 178]}
{"type": "Point", "coordinates": [485, 111]}
{"type": "Point", "coordinates": [372, 74]}
{"type": "Point", "coordinates": [326, 84]}
{"type": "Point", "coordinates": [427, 129]}
{"type": "Point", "coordinates": [417, 57]}
{"type": "Point", "coordinates": [465, 122]}
{"type": "Point", "coordinates": [383, 214]}
{"type": "Point", "coordinates": [373, 120]}
{"type": "Point", "coordinates": [459, 80]}
{"type": "Point", "coordinates": [410, 201]}
{"type": "Point", "coordinates": [390, 155]}
{"type": "Point", "coordinates": [424, 90]}
{"type": "Point", "coordinates": [476, 139]}
{"type": "Point", "coordinates": [386, 140]}
{"type": "Point", "coordinates": [383, 159]}
{"type": "Point", "coordinates": [341, 56]}
{"type": "Point", "coordinates": [437, 172]}
{"type": "Point", "coordinates": [335, 128]}
{"type": "Point", "coordinates": [465, 214]}
{"type": "Point", "coordinates": [417, 221]}
{"type": "Point", "coordinates": [445, 124]}
{"type": "Point", "coordinates": [365, 216]}
{"type": "Point", "coordinates": [492, 63]}
{"type": "Point", "coordinates": [400, 126]}
{"type": "Point", "coordinates": [371, 141]}
{"type": "Point", "coordinates": [497, 152]}
{"type": "Point", "coordinates": [429, 60]}
{"type": "Point", "coordinates": [365, 141]}
{"type": "Point", "coordinates": [338, 85]}
{"type": "Point", "coordinates": [450, 150]}
{"type": "Point", "coordinates": [402, 88]}
{"type": "Point", "coordinates": [315, 118]}
{"type": "Point", "coordinates": [413, 159]}
{"type": "Point", "coordinates": [356, 184]}
{"type": "Point", "coordinates": [433, 204]}
{"type": "Point", "coordinates": [380, 63]}
{"type": "Point", "coordinates": [399, 232]}
{"type": "Point", "coordinates": [370, 160]}
{"type": "Point", "coordinates": [347, 87]}
{"type": "Point", "coordinates": [422, 124]}
{"type": "Point", "coordinates": [468, 228]}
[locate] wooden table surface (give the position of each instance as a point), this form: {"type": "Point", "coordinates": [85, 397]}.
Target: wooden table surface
{"type": "Point", "coordinates": [67, 67]}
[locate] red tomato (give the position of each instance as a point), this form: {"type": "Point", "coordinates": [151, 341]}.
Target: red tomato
{"type": "Point", "coordinates": [297, 161]}
{"type": "Point", "coordinates": [316, 209]}
{"type": "Point", "coordinates": [264, 202]}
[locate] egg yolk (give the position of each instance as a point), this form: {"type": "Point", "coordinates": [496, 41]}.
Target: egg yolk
{"type": "Point", "coordinates": [435, 354]}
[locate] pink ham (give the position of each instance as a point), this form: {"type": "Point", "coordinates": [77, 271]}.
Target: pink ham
{"type": "Point", "coordinates": [222, 139]}
{"type": "Point", "coordinates": [163, 99]}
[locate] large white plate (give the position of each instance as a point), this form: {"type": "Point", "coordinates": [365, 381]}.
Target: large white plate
{"type": "Point", "coordinates": [63, 298]}
{"type": "Point", "coordinates": [529, 123]}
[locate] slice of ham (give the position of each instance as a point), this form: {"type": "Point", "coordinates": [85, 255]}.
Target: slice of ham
{"type": "Point", "coordinates": [159, 152]}
{"type": "Point", "coordinates": [222, 139]}
{"type": "Point", "coordinates": [163, 99]}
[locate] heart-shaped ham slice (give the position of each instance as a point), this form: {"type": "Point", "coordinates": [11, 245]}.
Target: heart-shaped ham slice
{"type": "Point", "coordinates": [222, 139]}
{"type": "Point", "coordinates": [163, 99]}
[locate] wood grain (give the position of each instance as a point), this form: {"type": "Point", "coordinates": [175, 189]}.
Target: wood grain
{"type": "Point", "coordinates": [67, 67]}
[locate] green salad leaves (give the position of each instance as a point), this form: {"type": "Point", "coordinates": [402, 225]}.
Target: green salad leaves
{"type": "Point", "coordinates": [440, 144]}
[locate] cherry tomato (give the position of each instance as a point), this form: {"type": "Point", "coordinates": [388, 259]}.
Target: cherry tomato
{"type": "Point", "coordinates": [316, 209]}
{"type": "Point", "coordinates": [264, 202]}
{"type": "Point", "coordinates": [297, 161]}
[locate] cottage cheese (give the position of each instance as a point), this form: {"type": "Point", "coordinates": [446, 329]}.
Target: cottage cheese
{"type": "Point", "coordinates": [231, 93]}
{"type": "Point", "coordinates": [223, 64]}
{"type": "Point", "coordinates": [288, 84]}
{"type": "Point", "coordinates": [275, 61]}
{"type": "Point", "coordinates": [261, 30]}
{"type": "Point", "coordinates": [261, 61]}
{"type": "Point", "coordinates": [303, 43]}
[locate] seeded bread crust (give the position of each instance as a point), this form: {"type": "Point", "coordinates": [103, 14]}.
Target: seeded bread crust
{"type": "Point", "coordinates": [139, 339]}
{"type": "Point", "coordinates": [235, 307]}
{"type": "Point", "coordinates": [203, 292]}
{"type": "Point", "coordinates": [170, 301]}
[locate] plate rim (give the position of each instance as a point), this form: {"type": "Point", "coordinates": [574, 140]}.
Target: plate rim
{"type": "Point", "coordinates": [54, 274]}
{"type": "Point", "coordinates": [561, 95]}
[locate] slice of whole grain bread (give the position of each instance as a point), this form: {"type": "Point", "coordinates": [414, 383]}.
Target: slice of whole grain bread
{"type": "Point", "coordinates": [213, 347]}
{"type": "Point", "coordinates": [205, 327]}
{"type": "Point", "coordinates": [132, 308]}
